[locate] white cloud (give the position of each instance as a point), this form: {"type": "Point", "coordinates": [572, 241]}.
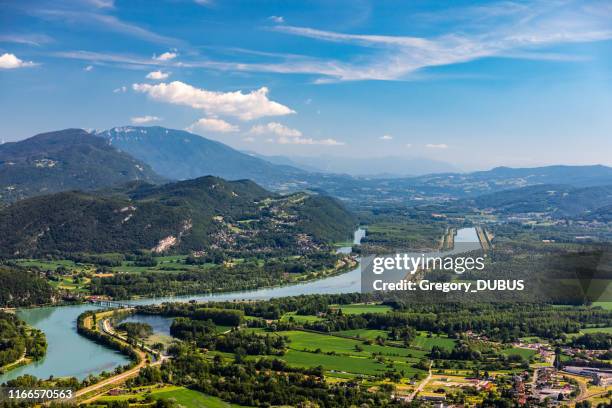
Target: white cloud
{"type": "Point", "coordinates": [158, 75]}
{"type": "Point", "coordinates": [94, 19]}
{"type": "Point", "coordinates": [27, 39]}
{"type": "Point", "coordinates": [436, 146]}
{"type": "Point", "coordinates": [245, 106]}
{"type": "Point", "coordinates": [287, 135]}
{"type": "Point", "coordinates": [248, 139]}
{"type": "Point", "coordinates": [408, 145]}
{"type": "Point", "coordinates": [309, 141]}
{"type": "Point", "coordinates": [386, 137]}
{"type": "Point", "coordinates": [213, 125]}
{"type": "Point", "coordinates": [10, 61]}
{"type": "Point", "coordinates": [121, 89]}
{"type": "Point", "coordinates": [88, 68]}
{"type": "Point", "coordinates": [166, 56]}
{"type": "Point", "coordinates": [500, 29]}
{"type": "Point", "coordinates": [138, 120]}
{"type": "Point", "coordinates": [275, 128]}
{"type": "Point", "coordinates": [277, 19]}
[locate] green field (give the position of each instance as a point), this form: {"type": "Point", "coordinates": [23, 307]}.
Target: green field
{"type": "Point", "coordinates": [192, 399]}
{"type": "Point", "coordinates": [344, 363]}
{"type": "Point", "coordinates": [300, 340]}
{"type": "Point", "coordinates": [365, 334]}
{"type": "Point", "coordinates": [607, 330]}
{"type": "Point", "coordinates": [427, 343]}
{"type": "Point", "coordinates": [363, 308]}
{"type": "Point", "coordinates": [525, 353]}
{"type": "Point", "coordinates": [603, 305]}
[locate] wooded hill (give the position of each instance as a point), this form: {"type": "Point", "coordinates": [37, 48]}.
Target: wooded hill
{"type": "Point", "coordinates": [194, 215]}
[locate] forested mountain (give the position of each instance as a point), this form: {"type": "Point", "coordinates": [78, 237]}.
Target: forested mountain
{"type": "Point", "coordinates": [557, 200]}
{"type": "Point", "coordinates": [65, 160]}
{"type": "Point", "coordinates": [193, 215]}
{"type": "Point", "coordinates": [180, 155]}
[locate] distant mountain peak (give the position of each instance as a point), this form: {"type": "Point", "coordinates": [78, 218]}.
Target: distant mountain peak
{"type": "Point", "coordinates": [69, 159]}
{"type": "Point", "coordinates": [181, 155]}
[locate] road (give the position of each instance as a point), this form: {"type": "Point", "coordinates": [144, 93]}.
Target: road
{"type": "Point", "coordinates": [421, 385]}
{"type": "Point", "coordinates": [119, 378]}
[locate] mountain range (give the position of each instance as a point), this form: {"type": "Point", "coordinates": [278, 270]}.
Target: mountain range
{"type": "Point", "coordinates": [180, 155]}
{"type": "Point", "coordinates": [74, 159]}
{"type": "Point", "coordinates": [555, 200]}
{"type": "Point", "coordinates": [381, 167]}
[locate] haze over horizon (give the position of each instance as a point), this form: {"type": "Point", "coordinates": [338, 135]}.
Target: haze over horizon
{"type": "Point", "coordinates": [508, 83]}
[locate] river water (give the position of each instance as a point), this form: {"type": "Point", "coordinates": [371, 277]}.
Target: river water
{"type": "Point", "coordinates": [71, 355]}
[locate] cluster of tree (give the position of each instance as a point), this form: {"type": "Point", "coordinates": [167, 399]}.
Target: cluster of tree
{"type": "Point", "coordinates": [12, 343]}
{"type": "Point", "coordinates": [265, 382]}
{"type": "Point", "coordinates": [240, 276]}
{"type": "Point", "coordinates": [204, 334]}
{"type": "Point", "coordinates": [22, 287]}
{"type": "Point", "coordinates": [266, 309]}
{"type": "Point", "coordinates": [503, 322]}
{"type": "Point", "coordinates": [593, 341]}
{"type": "Point", "coordinates": [17, 340]}
{"type": "Point", "coordinates": [103, 339]}
{"type": "Point", "coordinates": [135, 330]}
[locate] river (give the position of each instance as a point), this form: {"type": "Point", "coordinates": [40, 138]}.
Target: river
{"type": "Point", "coordinates": [70, 354]}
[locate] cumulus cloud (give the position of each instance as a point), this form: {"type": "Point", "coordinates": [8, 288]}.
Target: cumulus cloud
{"type": "Point", "coordinates": [88, 68]}
{"type": "Point", "coordinates": [245, 106]}
{"type": "Point", "coordinates": [213, 125]}
{"type": "Point", "coordinates": [158, 75]}
{"type": "Point", "coordinates": [277, 19]}
{"type": "Point", "coordinates": [121, 89]}
{"type": "Point", "coordinates": [436, 146]}
{"type": "Point", "coordinates": [386, 137]}
{"type": "Point", "coordinates": [287, 135]}
{"type": "Point", "coordinates": [10, 61]}
{"type": "Point", "coordinates": [166, 56]}
{"type": "Point", "coordinates": [139, 120]}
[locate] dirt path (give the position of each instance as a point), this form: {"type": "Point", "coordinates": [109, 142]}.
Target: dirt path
{"type": "Point", "coordinates": [421, 385]}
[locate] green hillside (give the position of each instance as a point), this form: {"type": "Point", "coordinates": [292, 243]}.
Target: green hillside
{"type": "Point", "coordinates": [192, 215]}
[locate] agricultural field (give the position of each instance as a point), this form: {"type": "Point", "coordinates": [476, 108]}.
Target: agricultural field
{"type": "Point", "coordinates": [364, 308]}
{"type": "Point", "coordinates": [365, 334]}
{"type": "Point", "coordinates": [340, 355]}
{"type": "Point", "coordinates": [607, 330]}
{"type": "Point", "coordinates": [523, 352]}
{"type": "Point", "coordinates": [423, 341]}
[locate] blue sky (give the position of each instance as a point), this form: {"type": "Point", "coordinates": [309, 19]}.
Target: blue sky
{"type": "Point", "coordinates": [476, 84]}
